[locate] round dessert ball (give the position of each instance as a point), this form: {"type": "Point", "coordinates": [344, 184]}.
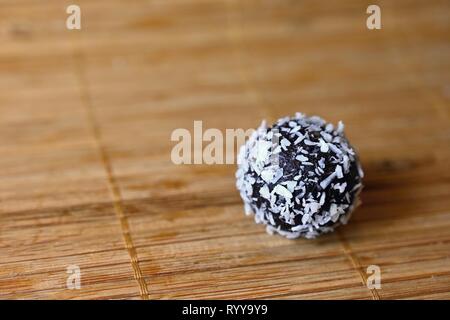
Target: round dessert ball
{"type": "Point", "coordinates": [300, 177]}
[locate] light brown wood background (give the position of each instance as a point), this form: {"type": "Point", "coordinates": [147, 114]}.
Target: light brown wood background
{"type": "Point", "coordinates": [85, 123]}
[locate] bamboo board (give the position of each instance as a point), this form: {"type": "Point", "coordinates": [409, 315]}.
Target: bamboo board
{"type": "Point", "coordinates": [85, 124]}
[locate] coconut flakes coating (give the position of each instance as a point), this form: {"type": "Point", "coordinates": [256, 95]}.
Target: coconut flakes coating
{"type": "Point", "coordinates": [300, 177]}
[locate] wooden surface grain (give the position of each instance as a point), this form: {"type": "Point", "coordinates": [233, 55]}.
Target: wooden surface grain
{"type": "Point", "coordinates": [85, 124]}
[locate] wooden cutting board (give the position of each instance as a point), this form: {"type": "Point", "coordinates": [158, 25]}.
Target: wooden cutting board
{"type": "Point", "coordinates": [86, 176]}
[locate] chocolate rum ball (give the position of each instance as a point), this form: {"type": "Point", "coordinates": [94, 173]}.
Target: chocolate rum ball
{"type": "Point", "coordinates": [300, 177]}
